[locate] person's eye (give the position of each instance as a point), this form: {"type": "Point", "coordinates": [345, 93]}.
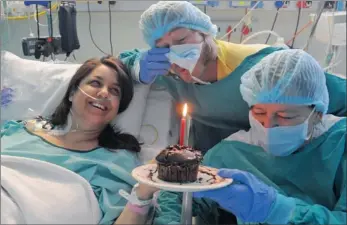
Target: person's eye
{"type": "Point", "coordinates": [258, 112]}
{"type": "Point", "coordinates": [115, 91]}
{"type": "Point", "coordinates": [182, 39]}
{"type": "Point", "coordinates": [95, 83]}
{"type": "Point", "coordinates": [286, 117]}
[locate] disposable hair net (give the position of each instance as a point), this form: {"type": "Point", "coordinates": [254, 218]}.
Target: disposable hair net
{"type": "Point", "coordinates": [286, 77]}
{"type": "Point", "coordinates": [165, 16]}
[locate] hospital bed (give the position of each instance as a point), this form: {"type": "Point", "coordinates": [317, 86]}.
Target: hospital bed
{"type": "Point", "coordinates": [40, 86]}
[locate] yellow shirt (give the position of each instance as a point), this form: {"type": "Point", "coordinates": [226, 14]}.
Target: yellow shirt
{"type": "Point", "coordinates": [230, 56]}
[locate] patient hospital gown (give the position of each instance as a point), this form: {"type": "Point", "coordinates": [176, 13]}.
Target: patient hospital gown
{"type": "Point", "coordinates": [315, 177]}
{"type": "Point", "coordinates": [106, 171]}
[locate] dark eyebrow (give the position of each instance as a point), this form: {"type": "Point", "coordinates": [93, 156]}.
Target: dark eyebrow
{"type": "Point", "coordinates": [115, 83]}
{"type": "Point", "coordinates": [98, 77]}
{"type": "Point", "coordinates": [288, 111]}
{"type": "Point", "coordinates": [254, 107]}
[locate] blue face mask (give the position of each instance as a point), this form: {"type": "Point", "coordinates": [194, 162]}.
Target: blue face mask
{"type": "Point", "coordinates": [186, 56]}
{"type": "Point", "coordinates": [279, 141]}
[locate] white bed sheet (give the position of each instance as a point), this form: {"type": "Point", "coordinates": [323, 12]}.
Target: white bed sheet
{"type": "Point", "coordinates": [37, 192]}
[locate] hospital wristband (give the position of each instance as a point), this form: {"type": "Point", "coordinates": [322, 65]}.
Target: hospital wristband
{"type": "Point", "coordinates": [142, 210]}
{"type": "Point", "coordinates": [133, 198]}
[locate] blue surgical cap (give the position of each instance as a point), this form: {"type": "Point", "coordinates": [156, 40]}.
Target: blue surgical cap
{"type": "Point", "coordinates": [286, 77]}
{"type": "Point", "coordinates": [165, 16]}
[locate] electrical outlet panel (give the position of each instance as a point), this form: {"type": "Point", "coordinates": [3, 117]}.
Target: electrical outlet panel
{"type": "Point", "coordinates": [329, 4]}
{"type": "Point", "coordinates": [260, 4]}
{"type": "Point", "coordinates": [304, 4]}
{"type": "Point", "coordinates": [286, 4]}
{"type": "Point", "coordinates": [340, 6]}
{"type": "Point", "coordinates": [240, 4]}
{"type": "Point", "coordinates": [213, 3]}
{"type": "Point", "coordinates": [197, 2]}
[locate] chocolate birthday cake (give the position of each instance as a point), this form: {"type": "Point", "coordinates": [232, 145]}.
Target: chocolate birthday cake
{"type": "Point", "coordinates": [179, 164]}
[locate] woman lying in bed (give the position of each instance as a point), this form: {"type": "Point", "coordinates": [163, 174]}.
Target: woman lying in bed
{"type": "Point", "coordinates": [78, 137]}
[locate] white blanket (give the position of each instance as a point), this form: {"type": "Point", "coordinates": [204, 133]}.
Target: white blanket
{"type": "Point", "coordinates": [36, 192]}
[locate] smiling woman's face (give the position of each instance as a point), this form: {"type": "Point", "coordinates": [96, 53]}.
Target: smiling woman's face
{"type": "Point", "coordinates": [102, 84]}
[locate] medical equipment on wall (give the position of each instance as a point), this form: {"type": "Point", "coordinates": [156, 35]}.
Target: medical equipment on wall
{"type": "Point", "coordinates": [2, 11]}
{"type": "Point", "coordinates": [16, 8]}
{"type": "Point", "coordinates": [4, 25]}
{"type": "Point", "coordinates": [67, 27]}
{"type": "Point", "coordinates": [50, 45]}
{"type": "Point", "coordinates": [247, 25]}
{"type": "Point", "coordinates": [46, 46]}
{"type": "Point", "coordinates": [340, 5]}
{"type": "Point", "coordinates": [241, 21]}
{"type": "Point", "coordinates": [319, 12]}
{"type": "Point", "coordinates": [239, 4]}
{"type": "Point", "coordinates": [110, 27]}
{"type": "Point", "coordinates": [279, 42]}
{"type": "Point", "coordinates": [331, 30]}
{"type": "Point", "coordinates": [300, 5]}
{"type": "Point", "coordinates": [278, 5]}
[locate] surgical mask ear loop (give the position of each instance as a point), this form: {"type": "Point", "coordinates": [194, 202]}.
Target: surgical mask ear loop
{"type": "Point", "coordinates": [308, 136]}
{"type": "Point", "coordinates": [197, 79]}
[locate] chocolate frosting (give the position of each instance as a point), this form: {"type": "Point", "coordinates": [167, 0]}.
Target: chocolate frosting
{"type": "Point", "coordinates": [179, 154]}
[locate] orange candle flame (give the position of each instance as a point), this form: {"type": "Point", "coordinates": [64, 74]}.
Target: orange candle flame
{"type": "Point", "coordinates": [185, 110]}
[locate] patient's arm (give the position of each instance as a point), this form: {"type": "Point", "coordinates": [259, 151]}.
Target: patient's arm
{"type": "Point", "coordinates": [130, 217]}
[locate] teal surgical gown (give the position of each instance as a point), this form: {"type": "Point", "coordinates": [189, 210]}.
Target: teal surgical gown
{"type": "Point", "coordinates": [315, 177]}
{"type": "Point", "coordinates": [106, 171]}
{"type": "Point", "coordinates": [218, 109]}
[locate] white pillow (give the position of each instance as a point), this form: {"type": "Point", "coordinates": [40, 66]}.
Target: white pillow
{"type": "Point", "coordinates": [160, 124]}
{"type": "Point", "coordinates": [40, 86]}
{"type": "Point", "coordinates": [131, 119]}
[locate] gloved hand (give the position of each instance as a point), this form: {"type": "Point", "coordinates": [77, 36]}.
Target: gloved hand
{"type": "Point", "coordinates": [154, 63]}
{"type": "Point", "coordinates": [247, 197]}
{"type": "Point", "coordinates": [6, 96]}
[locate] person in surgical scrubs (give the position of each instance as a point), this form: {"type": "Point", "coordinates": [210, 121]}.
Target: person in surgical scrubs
{"type": "Point", "coordinates": [78, 136]}
{"type": "Point", "coordinates": [204, 72]}
{"type": "Point", "coordinates": [290, 167]}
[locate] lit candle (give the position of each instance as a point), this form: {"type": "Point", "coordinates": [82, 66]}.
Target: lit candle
{"type": "Point", "coordinates": [186, 136]}
{"type": "Point", "coordinates": [183, 124]}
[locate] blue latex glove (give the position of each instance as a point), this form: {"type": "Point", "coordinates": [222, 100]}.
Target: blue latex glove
{"type": "Point", "coordinates": [6, 96]}
{"type": "Point", "coordinates": [247, 197]}
{"type": "Point", "coordinates": [154, 63]}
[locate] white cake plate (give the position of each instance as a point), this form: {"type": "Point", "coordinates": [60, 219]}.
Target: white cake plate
{"type": "Point", "coordinates": [207, 179]}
